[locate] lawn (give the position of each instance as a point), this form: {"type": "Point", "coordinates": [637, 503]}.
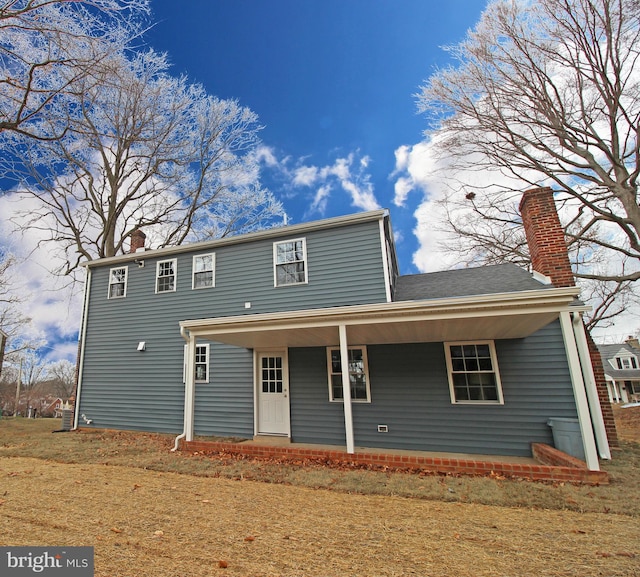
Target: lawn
{"type": "Point", "coordinates": [148, 511]}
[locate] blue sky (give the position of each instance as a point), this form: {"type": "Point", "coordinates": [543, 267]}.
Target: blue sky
{"type": "Point", "coordinates": [333, 84]}
{"type": "Point", "coordinates": [331, 81]}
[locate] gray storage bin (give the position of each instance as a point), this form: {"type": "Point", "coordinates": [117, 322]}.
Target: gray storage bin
{"type": "Point", "coordinates": [567, 437]}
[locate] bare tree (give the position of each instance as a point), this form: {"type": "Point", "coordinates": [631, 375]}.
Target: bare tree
{"type": "Point", "coordinates": [63, 378]}
{"type": "Point", "coordinates": [47, 45]}
{"type": "Point", "coordinates": [13, 322]}
{"type": "Point", "coordinates": [142, 150]}
{"type": "Point", "coordinates": [546, 92]}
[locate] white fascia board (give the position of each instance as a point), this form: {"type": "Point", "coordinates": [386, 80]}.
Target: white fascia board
{"type": "Point", "coordinates": [524, 302]}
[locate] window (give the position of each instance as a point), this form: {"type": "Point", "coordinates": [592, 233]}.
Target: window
{"type": "Point", "coordinates": [473, 373]}
{"type": "Point", "coordinates": [627, 362]}
{"type": "Point", "coordinates": [203, 271]}
{"type": "Point", "coordinates": [201, 366]}
{"type": "Point", "coordinates": [166, 276]}
{"type": "Point", "coordinates": [358, 374]}
{"type": "Point", "coordinates": [290, 262]}
{"type": "Point", "coordinates": [118, 282]}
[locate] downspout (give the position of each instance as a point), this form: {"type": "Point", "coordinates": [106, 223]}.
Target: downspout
{"type": "Point", "coordinates": [187, 430]}
{"type": "Point", "coordinates": [83, 338]}
{"type": "Point", "coordinates": [579, 393]}
{"type": "Point", "coordinates": [590, 385]}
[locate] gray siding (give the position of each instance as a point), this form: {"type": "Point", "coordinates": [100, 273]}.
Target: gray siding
{"type": "Point", "coordinates": [125, 388]}
{"type": "Point", "coordinates": [410, 394]}
{"type": "Point", "coordinates": [224, 405]}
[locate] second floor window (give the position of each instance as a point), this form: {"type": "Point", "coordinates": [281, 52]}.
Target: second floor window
{"type": "Point", "coordinates": [290, 262]}
{"type": "Point", "coordinates": [118, 282]}
{"type": "Point", "coordinates": [203, 271]}
{"type": "Point", "coordinates": [166, 276]}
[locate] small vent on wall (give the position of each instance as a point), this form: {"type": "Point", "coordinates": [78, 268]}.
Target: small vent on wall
{"type": "Point", "coordinates": [383, 429]}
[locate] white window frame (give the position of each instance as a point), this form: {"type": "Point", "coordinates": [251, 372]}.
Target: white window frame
{"type": "Point", "coordinates": [194, 271]}
{"type": "Point", "coordinates": [494, 370]}
{"type": "Point", "coordinates": [175, 275]}
{"type": "Point", "coordinates": [331, 373]}
{"type": "Point", "coordinates": [200, 346]}
{"type": "Point", "coordinates": [126, 279]}
{"type": "Point", "coordinates": [623, 360]}
{"type": "Point", "coordinates": [304, 261]}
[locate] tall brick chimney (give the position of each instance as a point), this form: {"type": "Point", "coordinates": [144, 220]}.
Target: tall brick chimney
{"type": "Point", "coordinates": [549, 256]}
{"type": "Point", "coordinates": [545, 236]}
{"type": "Point", "coordinates": [137, 240]}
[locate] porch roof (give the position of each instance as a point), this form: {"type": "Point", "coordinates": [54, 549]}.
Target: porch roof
{"type": "Point", "coordinates": [491, 316]}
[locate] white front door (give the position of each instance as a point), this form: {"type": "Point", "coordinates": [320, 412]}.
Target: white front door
{"type": "Point", "coordinates": [273, 393]}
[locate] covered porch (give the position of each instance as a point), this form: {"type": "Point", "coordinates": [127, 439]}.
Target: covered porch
{"type": "Point", "coordinates": [495, 316]}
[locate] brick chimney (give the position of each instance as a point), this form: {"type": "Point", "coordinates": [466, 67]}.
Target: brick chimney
{"type": "Point", "coordinates": [137, 240]}
{"type": "Point", "coordinates": [549, 256]}
{"type": "Point", "coordinates": [545, 236]}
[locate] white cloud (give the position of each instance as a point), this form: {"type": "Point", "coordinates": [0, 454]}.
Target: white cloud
{"type": "Point", "coordinates": [320, 200]}
{"type": "Point", "coordinates": [265, 154]}
{"type": "Point", "coordinates": [347, 174]}
{"type": "Point", "coordinates": [305, 175]}
{"type": "Point", "coordinates": [52, 304]}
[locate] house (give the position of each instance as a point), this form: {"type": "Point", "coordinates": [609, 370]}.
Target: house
{"type": "Point", "coordinates": [54, 407]}
{"type": "Point", "coordinates": [308, 333]}
{"type": "Point", "coordinates": [621, 364]}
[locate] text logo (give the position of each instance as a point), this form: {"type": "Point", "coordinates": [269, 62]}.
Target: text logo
{"type": "Point", "coordinates": [49, 561]}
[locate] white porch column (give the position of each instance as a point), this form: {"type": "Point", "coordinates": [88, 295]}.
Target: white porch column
{"type": "Point", "coordinates": [346, 388]}
{"type": "Point", "coordinates": [590, 385]}
{"type": "Point", "coordinates": [579, 393]}
{"type": "Point", "coordinates": [189, 387]}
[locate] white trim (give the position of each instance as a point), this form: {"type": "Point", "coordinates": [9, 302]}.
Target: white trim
{"type": "Point", "coordinates": [495, 372]}
{"type": "Point", "coordinates": [385, 260]}
{"type": "Point", "coordinates": [551, 300]}
{"type": "Point", "coordinates": [190, 389]}
{"type": "Point", "coordinates": [126, 282]}
{"type": "Point", "coordinates": [330, 373]}
{"type": "Point", "coordinates": [592, 391]}
{"type": "Point", "coordinates": [83, 340]}
{"type": "Point", "coordinates": [346, 389]}
{"type": "Point", "coordinates": [213, 270]}
{"type": "Point", "coordinates": [305, 262]}
{"type": "Point", "coordinates": [175, 275]}
{"type": "Point", "coordinates": [582, 405]}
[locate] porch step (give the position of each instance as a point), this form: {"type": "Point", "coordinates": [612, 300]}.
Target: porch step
{"type": "Point", "coordinates": [272, 440]}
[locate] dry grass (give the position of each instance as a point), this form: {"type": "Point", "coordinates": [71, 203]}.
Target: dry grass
{"type": "Point", "coordinates": [149, 512]}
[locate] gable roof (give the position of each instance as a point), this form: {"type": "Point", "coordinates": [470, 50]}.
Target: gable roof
{"type": "Point", "coordinates": [608, 352]}
{"type": "Point", "coordinates": [484, 280]}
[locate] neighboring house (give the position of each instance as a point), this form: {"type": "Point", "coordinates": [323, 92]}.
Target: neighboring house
{"type": "Point", "coordinates": [622, 370]}
{"type": "Point", "coordinates": [308, 332]}
{"type": "Point", "coordinates": [54, 408]}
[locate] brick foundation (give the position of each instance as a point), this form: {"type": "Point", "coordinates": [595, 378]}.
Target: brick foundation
{"type": "Point", "coordinates": [568, 469]}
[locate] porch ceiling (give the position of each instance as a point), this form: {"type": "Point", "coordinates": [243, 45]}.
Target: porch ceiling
{"type": "Point", "coordinates": [506, 316]}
